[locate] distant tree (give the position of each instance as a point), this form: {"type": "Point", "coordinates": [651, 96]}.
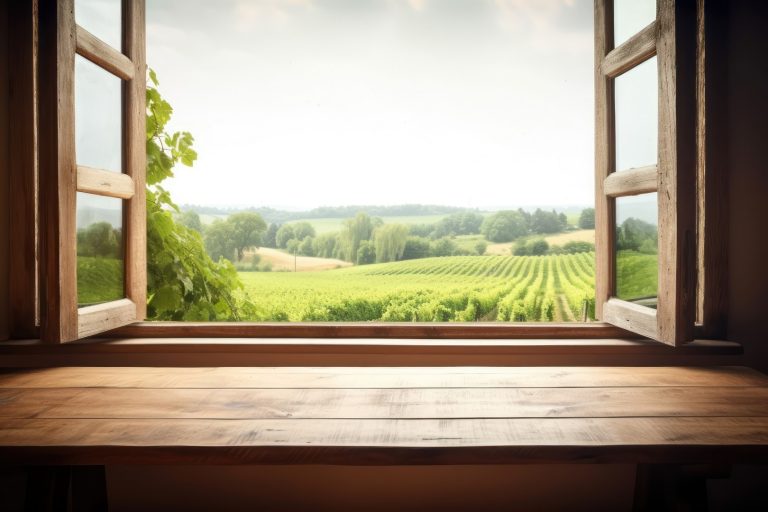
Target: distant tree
{"type": "Point", "coordinates": [283, 235]}
{"type": "Point", "coordinates": [306, 247]}
{"type": "Point", "coordinates": [366, 253]}
{"type": "Point", "coordinates": [460, 223]}
{"type": "Point", "coordinates": [634, 234]}
{"type": "Point", "coordinates": [302, 230]}
{"type": "Point", "coordinates": [190, 219]}
{"type": "Point", "coordinates": [538, 247]}
{"type": "Point", "coordinates": [481, 247]}
{"type": "Point", "coordinates": [416, 247]}
{"type": "Point", "coordinates": [577, 246]}
{"type": "Point", "coordinates": [521, 248]}
{"type": "Point", "coordinates": [247, 230]}
{"type": "Point", "coordinates": [389, 241]}
{"type": "Point", "coordinates": [587, 218]}
{"type": "Point", "coordinates": [354, 231]}
{"type": "Point", "coordinates": [444, 247]}
{"type": "Point", "coordinates": [293, 246]}
{"type": "Point", "coordinates": [505, 226]}
{"type": "Point", "coordinates": [99, 240]}
{"type": "Point", "coordinates": [270, 238]}
{"type": "Point", "coordinates": [422, 230]}
{"type": "Point", "coordinates": [220, 240]}
{"type": "Point", "coordinates": [325, 245]}
{"type": "Point", "coordinates": [543, 222]}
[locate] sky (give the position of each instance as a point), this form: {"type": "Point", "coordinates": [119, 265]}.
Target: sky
{"type": "Point", "coordinates": [304, 103]}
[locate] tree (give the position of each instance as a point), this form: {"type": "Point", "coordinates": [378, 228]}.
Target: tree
{"type": "Point", "coordinates": [444, 247]}
{"type": "Point", "coordinates": [100, 240]}
{"type": "Point", "coordinates": [389, 241]}
{"type": "Point", "coordinates": [283, 235]}
{"type": "Point", "coordinates": [183, 282]}
{"type": "Point", "coordinates": [416, 247]}
{"type": "Point", "coordinates": [635, 234]}
{"type": "Point", "coordinates": [302, 230]}
{"type": "Point", "coordinates": [306, 247]}
{"type": "Point", "coordinates": [538, 247]}
{"type": "Point", "coordinates": [480, 247]}
{"type": "Point", "coordinates": [587, 218]}
{"type": "Point", "coordinates": [366, 253]}
{"type": "Point", "coordinates": [190, 219]}
{"type": "Point", "coordinates": [354, 231]}
{"type": "Point", "coordinates": [247, 230]}
{"type": "Point", "coordinates": [220, 240]}
{"type": "Point", "coordinates": [460, 223]}
{"type": "Point", "coordinates": [543, 222]}
{"type": "Point", "coordinates": [504, 226]}
{"type": "Point", "coordinates": [270, 238]}
{"type": "Point", "coordinates": [576, 246]}
{"type": "Point", "coordinates": [325, 245]}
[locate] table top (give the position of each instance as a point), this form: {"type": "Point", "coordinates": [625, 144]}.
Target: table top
{"type": "Point", "coordinates": [383, 415]}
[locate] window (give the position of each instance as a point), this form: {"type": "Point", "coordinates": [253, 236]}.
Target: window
{"type": "Point", "coordinates": [653, 62]}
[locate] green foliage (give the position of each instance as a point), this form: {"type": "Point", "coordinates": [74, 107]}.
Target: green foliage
{"type": "Point", "coordinates": [453, 289]}
{"type": "Point", "coordinates": [270, 237]}
{"type": "Point", "coordinates": [306, 247]}
{"type": "Point", "coordinates": [184, 283]}
{"type": "Point", "coordinates": [99, 279]}
{"type": "Point", "coordinates": [480, 247]}
{"type": "Point", "coordinates": [505, 226]}
{"type": "Point", "coordinates": [531, 247]}
{"type": "Point", "coordinates": [100, 239]}
{"type": "Point", "coordinates": [637, 275]}
{"type": "Point", "coordinates": [637, 235]}
{"type": "Point", "coordinates": [416, 247]}
{"type": "Point", "coordinates": [190, 219]}
{"type": "Point", "coordinates": [302, 230]}
{"type": "Point", "coordinates": [587, 218]}
{"type": "Point", "coordinates": [389, 241]}
{"type": "Point", "coordinates": [247, 230]}
{"type": "Point", "coordinates": [574, 247]}
{"type": "Point", "coordinates": [219, 240]}
{"type": "Point", "coordinates": [354, 231]}
{"type": "Point", "coordinates": [460, 223]}
{"type": "Point", "coordinates": [283, 235]}
{"type": "Point", "coordinates": [543, 222]}
{"type": "Point", "coordinates": [366, 253]}
{"type": "Point", "coordinates": [443, 247]}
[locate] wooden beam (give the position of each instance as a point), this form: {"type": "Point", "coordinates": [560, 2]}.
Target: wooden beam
{"type": "Point", "coordinates": [605, 160]}
{"type": "Point", "coordinates": [103, 55]}
{"type": "Point", "coordinates": [639, 48]}
{"type": "Point", "coordinates": [631, 182]}
{"type": "Point", "coordinates": [104, 183]}
{"type": "Point", "coordinates": [102, 317]}
{"type": "Point", "coordinates": [635, 318]}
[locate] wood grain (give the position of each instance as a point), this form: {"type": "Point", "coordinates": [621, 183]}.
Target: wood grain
{"type": "Point", "coordinates": [58, 185]}
{"type": "Point", "coordinates": [631, 182]}
{"type": "Point", "coordinates": [605, 160]}
{"type": "Point", "coordinates": [381, 442]}
{"type": "Point", "coordinates": [634, 51]}
{"type": "Point", "coordinates": [639, 319]}
{"type": "Point", "coordinates": [22, 58]}
{"type": "Point", "coordinates": [387, 403]}
{"type": "Point", "coordinates": [134, 115]}
{"type": "Point", "coordinates": [103, 55]}
{"type": "Point", "coordinates": [103, 317]}
{"type": "Point", "coordinates": [677, 170]}
{"type": "Point", "coordinates": [104, 183]}
{"type": "Point", "coordinates": [380, 377]}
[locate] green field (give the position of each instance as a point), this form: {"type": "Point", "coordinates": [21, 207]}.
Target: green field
{"type": "Point", "coordinates": [637, 275]}
{"type": "Point", "coordinates": [99, 280]}
{"type": "Point", "coordinates": [455, 288]}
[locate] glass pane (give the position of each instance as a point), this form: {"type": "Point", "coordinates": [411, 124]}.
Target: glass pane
{"type": "Point", "coordinates": [637, 116]}
{"type": "Point", "coordinates": [637, 244]}
{"type": "Point", "coordinates": [102, 18]}
{"type": "Point", "coordinates": [98, 117]}
{"type": "Point", "coordinates": [100, 259]}
{"type": "Point", "coordinates": [630, 17]}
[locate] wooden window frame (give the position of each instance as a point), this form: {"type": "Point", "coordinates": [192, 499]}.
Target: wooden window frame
{"type": "Point", "coordinates": [630, 53]}
{"type": "Point", "coordinates": [60, 39]}
{"type": "Point", "coordinates": [672, 38]}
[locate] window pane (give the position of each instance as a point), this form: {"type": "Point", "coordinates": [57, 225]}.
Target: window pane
{"type": "Point", "coordinates": [637, 116]}
{"type": "Point", "coordinates": [630, 17]}
{"type": "Point", "coordinates": [98, 117]}
{"type": "Point", "coordinates": [100, 259]}
{"type": "Point", "coordinates": [637, 258]}
{"type": "Point", "coordinates": [102, 18]}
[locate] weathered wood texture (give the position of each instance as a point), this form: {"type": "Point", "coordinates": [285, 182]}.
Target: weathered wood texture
{"type": "Point", "coordinates": [639, 48]}
{"type": "Point", "coordinates": [383, 415]}
{"type": "Point", "coordinates": [631, 182]}
{"type": "Point", "coordinates": [4, 178]}
{"type": "Point", "coordinates": [103, 55]}
{"type": "Point", "coordinates": [104, 183]}
{"type": "Point", "coordinates": [22, 57]}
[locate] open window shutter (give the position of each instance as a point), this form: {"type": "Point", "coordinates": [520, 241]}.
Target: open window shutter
{"type": "Point", "coordinates": [113, 267]}
{"type": "Point", "coordinates": [671, 38]}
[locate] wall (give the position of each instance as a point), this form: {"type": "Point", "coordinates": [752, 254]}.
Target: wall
{"type": "Point", "coordinates": [748, 186]}
{"type": "Point", "coordinates": [4, 127]}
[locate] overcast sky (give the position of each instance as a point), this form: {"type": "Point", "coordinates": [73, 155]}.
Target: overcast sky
{"type": "Point", "coordinates": [303, 103]}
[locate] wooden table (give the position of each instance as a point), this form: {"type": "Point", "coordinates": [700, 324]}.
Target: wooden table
{"type": "Point", "coordinates": [384, 416]}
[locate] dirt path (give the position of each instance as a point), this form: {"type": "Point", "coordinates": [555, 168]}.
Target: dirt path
{"type": "Point", "coordinates": [283, 261]}
{"type": "Point", "coordinates": [566, 309]}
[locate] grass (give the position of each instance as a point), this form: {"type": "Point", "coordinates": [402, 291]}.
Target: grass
{"type": "Point", "coordinates": [637, 275]}
{"type": "Point", "coordinates": [99, 280]}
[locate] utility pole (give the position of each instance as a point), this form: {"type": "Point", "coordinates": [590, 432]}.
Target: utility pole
{"type": "Point", "coordinates": [294, 260]}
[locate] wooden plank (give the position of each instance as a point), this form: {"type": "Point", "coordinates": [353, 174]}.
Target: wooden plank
{"type": "Point", "coordinates": [102, 317]}
{"type": "Point", "coordinates": [4, 177]}
{"type": "Point", "coordinates": [408, 403]}
{"type": "Point", "coordinates": [605, 159]}
{"type": "Point", "coordinates": [631, 182]}
{"type": "Point", "coordinates": [677, 170]}
{"type": "Point", "coordinates": [135, 135]}
{"type": "Point", "coordinates": [103, 55]}
{"type": "Point", "coordinates": [380, 377]}
{"type": "Point", "coordinates": [104, 183]}
{"type": "Point", "coordinates": [381, 442]}
{"type": "Point", "coordinates": [58, 255]}
{"type": "Point", "coordinates": [23, 259]}
{"type": "Point", "coordinates": [637, 49]}
{"type": "Point", "coordinates": [712, 170]}
{"type": "Point", "coordinates": [639, 319]}
{"type": "Point", "coordinates": [383, 330]}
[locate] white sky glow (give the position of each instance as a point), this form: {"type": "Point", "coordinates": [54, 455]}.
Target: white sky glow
{"type": "Point", "coordinates": [305, 103]}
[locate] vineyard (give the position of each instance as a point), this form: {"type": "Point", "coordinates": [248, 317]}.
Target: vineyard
{"type": "Point", "coordinates": [447, 289]}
